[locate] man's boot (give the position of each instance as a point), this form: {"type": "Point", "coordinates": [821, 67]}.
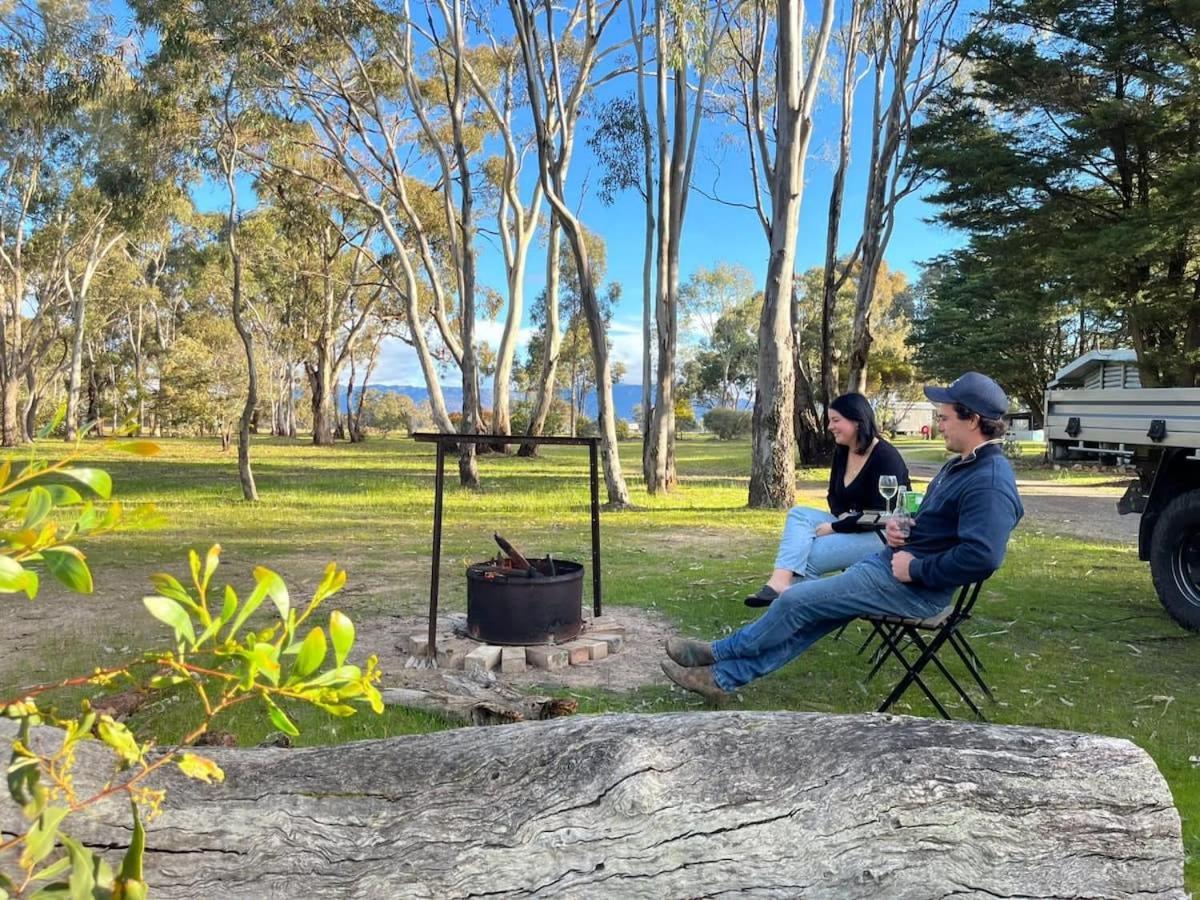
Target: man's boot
{"type": "Point", "coordinates": [698, 680]}
{"type": "Point", "coordinates": [690, 653]}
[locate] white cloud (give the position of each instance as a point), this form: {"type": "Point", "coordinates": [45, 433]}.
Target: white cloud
{"type": "Point", "coordinates": [626, 340]}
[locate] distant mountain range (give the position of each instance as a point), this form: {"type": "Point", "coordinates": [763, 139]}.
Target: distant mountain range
{"type": "Point", "coordinates": [625, 397]}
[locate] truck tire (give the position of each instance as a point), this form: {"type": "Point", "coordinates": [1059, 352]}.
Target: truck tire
{"type": "Point", "coordinates": [1175, 559]}
{"type": "Point", "coordinates": [1059, 451]}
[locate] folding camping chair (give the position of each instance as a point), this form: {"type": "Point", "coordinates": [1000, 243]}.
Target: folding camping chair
{"type": "Point", "coordinates": [899, 634]}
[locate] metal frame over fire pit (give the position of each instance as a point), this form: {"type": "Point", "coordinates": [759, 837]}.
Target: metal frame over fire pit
{"type": "Point", "coordinates": [445, 440]}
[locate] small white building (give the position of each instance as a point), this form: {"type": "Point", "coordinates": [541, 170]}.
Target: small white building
{"type": "Point", "coordinates": [904, 416]}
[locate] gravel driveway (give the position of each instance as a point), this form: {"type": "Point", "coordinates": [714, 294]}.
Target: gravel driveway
{"type": "Point", "coordinates": [1083, 511]}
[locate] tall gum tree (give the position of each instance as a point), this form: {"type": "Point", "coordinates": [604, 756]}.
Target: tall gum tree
{"type": "Point", "coordinates": [772, 465]}
{"type": "Point", "coordinates": [912, 58]}
{"type": "Point", "coordinates": [556, 92]}
{"type": "Point", "coordinates": [680, 53]}
{"type": "Point", "coordinates": [348, 77]}
{"type": "Point", "coordinates": [55, 62]}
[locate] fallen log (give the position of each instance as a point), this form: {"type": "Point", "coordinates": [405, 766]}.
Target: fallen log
{"type": "Point", "coordinates": [681, 805]}
{"type": "Point", "coordinates": [472, 709]}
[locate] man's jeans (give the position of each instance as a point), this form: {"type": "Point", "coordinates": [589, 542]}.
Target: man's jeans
{"type": "Point", "coordinates": [809, 610]}
{"type": "Point", "coordinates": [802, 552]}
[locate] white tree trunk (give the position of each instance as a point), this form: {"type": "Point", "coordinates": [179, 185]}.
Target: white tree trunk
{"type": "Point", "coordinates": [772, 465]}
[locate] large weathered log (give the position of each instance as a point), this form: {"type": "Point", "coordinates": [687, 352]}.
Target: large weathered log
{"type": "Point", "coordinates": [769, 804]}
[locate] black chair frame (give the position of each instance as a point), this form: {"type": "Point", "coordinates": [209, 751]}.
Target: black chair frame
{"type": "Point", "coordinates": [898, 634]}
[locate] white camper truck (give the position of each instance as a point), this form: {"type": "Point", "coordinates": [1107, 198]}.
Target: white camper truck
{"type": "Point", "coordinates": [1097, 408]}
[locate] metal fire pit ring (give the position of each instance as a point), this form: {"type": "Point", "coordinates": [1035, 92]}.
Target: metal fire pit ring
{"type": "Point", "coordinates": [510, 607]}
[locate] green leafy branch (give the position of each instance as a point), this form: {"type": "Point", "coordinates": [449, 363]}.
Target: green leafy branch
{"type": "Point", "coordinates": [222, 651]}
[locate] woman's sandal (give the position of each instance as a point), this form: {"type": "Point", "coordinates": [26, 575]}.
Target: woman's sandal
{"type": "Point", "coordinates": [763, 597]}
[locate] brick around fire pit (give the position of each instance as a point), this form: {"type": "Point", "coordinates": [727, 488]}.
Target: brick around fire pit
{"type": "Point", "coordinates": [457, 651]}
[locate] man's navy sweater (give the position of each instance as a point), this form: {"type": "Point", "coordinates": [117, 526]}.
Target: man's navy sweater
{"type": "Point", "coordinates": [961, 531]}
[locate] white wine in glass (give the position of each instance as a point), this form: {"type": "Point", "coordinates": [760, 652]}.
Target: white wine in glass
{"type": "Point", "coordinates": [888, 486]}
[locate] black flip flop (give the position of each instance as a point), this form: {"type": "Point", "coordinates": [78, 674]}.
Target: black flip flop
{"type": "Point", "coordinates": [765, 596]}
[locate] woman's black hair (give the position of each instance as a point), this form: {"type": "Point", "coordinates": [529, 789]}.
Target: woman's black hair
{"type": "Point", "coordinates": [856, 408]}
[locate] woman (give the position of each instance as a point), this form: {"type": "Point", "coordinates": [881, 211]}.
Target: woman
{"type": "Point", "coordinates": [816, 542]}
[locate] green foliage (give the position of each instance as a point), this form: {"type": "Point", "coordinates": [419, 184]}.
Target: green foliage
{"type": "Point", "coordinates": [729, 424]}
{"type": "Point", "coordinates": [220, 649]}
{"type": "Point", "coordinates": [685, 416]}
{"type": "Point", "coordinates": [203, 384]}
{"type": "Point", "coordinates": [1070, 161]}
{"type": "Point", "coordinates": [978, 312]}
{"type": "Point", "coordinates": [388, 411]}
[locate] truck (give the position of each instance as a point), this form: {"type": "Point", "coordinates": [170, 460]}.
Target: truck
{"type": "Point", "coordinates": [1096, 409]}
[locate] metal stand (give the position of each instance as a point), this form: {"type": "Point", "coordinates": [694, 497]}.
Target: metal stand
{"type": "Point", "coordinates": [439, 484]}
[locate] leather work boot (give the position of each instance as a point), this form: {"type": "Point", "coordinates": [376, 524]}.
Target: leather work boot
{"type": "Point", "coordinates": [698, 680]}
{"type": "Point", "coordinates": [690, 653]}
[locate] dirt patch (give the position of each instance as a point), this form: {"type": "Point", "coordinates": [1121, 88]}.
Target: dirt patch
{"type": "Point", "coordinates": [636, 665]}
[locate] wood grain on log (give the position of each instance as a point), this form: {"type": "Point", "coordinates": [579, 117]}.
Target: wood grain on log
{"type": "Point", "coordinates": [683, 805]}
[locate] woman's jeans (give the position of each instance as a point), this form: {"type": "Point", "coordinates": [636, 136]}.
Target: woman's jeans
{"type": "Point", "coordinates": [809, 610]}
{"type": "Point", "coordinates": [802, 552]}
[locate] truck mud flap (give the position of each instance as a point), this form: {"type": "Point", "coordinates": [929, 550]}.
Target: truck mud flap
{"type": "Point", "coordinates": [1133, 500]}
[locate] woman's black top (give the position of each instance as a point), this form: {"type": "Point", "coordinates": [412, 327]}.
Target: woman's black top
{"type": "Point", "coordinates": [863, 492]}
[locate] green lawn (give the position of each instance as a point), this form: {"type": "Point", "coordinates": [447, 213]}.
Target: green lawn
{"type": "Point", "coordinates": [1070, 630]}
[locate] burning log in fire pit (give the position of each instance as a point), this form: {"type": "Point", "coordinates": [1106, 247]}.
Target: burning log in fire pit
{"type": "Point", "coordinates": [515, 601]}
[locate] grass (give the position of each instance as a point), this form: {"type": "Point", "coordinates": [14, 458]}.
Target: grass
{"type": "Point", "coordinates": [1070, 629]}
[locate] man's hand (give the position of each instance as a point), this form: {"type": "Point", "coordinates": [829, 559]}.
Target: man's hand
{"type": "Point", "coordinates": [900, 563]}
{"type": "Point", "coordinates": [895, 537]}
{"type": "Point", "coordinates": [823, 529]}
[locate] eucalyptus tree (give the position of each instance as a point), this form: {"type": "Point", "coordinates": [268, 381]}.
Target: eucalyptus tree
{"type": "Point", "coordinates": [812, 435]}
{"type": "Point", "coordinates": [334, 287]}
{"type": "Point", "coordinates": [686, 37]}
{"type": "Point", "coordinates": [353, 71]}
{"type": "Point", "coordinates": [207, 73]}
{"type": "Point", "coordinates": [559, 57]}
{"type": "Point", "coordinates": [781, 86]}
{"type": "Point", "coordinates": [912, 58]}
{"type": "Point", "coordinates": [56, 62]}
{"type": "Point", "coordinates": [494, 74]}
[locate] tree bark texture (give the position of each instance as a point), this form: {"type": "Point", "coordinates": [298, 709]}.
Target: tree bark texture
{"type": "Point", "coordinates": [245, 473]}
{"type": "Point", "coordinates": [713, 804]}
{"type": "Point", "coordinates": [551, 342]}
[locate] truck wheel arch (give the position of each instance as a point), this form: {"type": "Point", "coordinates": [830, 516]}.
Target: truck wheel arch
{"type": "Point", "coordinates": [1175, 559]}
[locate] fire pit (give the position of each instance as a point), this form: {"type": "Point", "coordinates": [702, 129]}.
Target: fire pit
{"type": "Point", "coordinates": [445, 442]}
{"type": "Point", "coordinates": [538, 605]}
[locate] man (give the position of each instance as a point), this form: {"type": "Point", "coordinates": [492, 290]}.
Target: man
{"type": "Point", "coordinates": [959, 536]}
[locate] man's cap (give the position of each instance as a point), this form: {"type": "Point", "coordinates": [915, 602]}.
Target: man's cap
{"type": "Point", "coordinates": [975, 391]}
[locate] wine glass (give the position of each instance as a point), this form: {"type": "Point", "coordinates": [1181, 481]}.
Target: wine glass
{"type": "Point", "coordinates": [888, 486]}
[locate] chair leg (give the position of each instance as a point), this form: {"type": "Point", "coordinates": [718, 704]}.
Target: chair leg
{"type": "Point", "coordinates": [870, 637]}
{"type": "Point", "coordinates": [884, 650]}
{"type": "Point", "coordinates": [912, 674]}
{"type": "Point", "coordinates": [966, 646]}
{"type": "Point", "coordinates": [950, 678]}
{"type": "Point", "coordinates": [971, 668]}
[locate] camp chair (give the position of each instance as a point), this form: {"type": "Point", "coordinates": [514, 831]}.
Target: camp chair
{"type": "Point", "coordinates": [901, 636]}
